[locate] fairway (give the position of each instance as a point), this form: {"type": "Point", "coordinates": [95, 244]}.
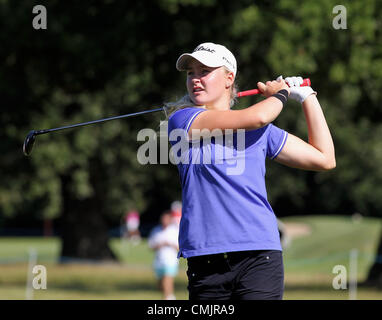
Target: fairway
{"type": "Point", "coordinates": [309, 260]}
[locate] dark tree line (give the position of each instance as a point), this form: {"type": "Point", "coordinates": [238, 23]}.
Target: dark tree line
{"type": "Point", "coordinates": [103, 58]}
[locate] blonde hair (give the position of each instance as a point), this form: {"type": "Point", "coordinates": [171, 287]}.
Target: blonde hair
{"type": "Point", "coordinates": [186, 102]}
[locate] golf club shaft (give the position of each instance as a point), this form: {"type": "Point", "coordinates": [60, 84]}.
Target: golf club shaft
{"type": "Point", "coordinates": [38, 132]}
{"type": "Point", "coordinates": [239, 95]}
{"type": "Point", "coordinates": [30, 138]}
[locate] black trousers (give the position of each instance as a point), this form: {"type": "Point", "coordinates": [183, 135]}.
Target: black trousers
{"type": "Point", "coordinates": [242, 275]}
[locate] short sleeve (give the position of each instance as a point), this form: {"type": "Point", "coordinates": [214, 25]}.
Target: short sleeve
{"type": "Point", "coordinates": [276, 139]}
{"type": "Point", "coordinates": [183, 118]}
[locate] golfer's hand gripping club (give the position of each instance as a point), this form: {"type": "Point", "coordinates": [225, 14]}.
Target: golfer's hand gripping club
{"type": "Point", "coordinates": [297, 91]}
{"type": "Point", "coordinates": [305, 82]}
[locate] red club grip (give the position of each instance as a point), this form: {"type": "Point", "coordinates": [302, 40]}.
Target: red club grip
{"type": "Point", "coordinates": [305, 83]}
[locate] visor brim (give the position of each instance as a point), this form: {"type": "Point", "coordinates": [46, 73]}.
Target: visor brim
{"type": "Point", "coordinates": [203, 57]}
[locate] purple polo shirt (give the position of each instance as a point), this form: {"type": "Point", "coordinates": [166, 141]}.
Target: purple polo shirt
{"type": "Point", "coordinates": [224, 197]}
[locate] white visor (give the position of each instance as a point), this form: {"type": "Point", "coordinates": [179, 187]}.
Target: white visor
{"type": "Point", "coordinates": [211, 55]}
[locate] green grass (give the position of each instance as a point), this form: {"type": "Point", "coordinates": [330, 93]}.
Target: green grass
{"type": "Point", "coordinates": [330, 243]}
{"type": "Point", "coordinates": [309, 261]}
{"type": "Point", "coordinates": [14, 250]}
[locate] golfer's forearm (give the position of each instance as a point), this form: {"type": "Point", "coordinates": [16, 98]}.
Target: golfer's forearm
{"type": "Point", "coordinates": [265, 112]}
{"type": "Point", "coordinates": [318, 130]}
{"type": "Point", "coordinates": [253, 117]}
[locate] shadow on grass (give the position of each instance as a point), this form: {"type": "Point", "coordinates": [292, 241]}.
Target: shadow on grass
{"type": "Point", "coordinates": [324, 287]}
{"type": "Point", "coordinates": [152, 286]}
{"type": "Point", "coordinates": [308, 287]}
{"type": "Point", "coordinates": [82, 286]}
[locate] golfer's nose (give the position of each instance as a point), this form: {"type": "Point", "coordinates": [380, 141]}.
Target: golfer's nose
{"type": "Point", "coordinates": [195, 79]}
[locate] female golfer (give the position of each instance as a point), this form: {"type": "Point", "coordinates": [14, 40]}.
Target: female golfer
{"type": "Point", "coordinates": [228, 231]}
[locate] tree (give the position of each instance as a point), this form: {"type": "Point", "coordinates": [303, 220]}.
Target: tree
{"type": "Point", "coordinates": [104, 58]}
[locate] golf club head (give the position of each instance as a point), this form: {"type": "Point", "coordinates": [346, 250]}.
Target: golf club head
{"type": "Point", "coordinates": [28, 142]}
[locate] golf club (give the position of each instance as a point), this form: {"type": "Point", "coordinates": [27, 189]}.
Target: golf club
{"type": "Point", "coordinates": [31, 137]}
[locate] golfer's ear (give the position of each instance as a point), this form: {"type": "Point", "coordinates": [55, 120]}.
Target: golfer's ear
{"type": "Point", "coordinates": [230, 79]}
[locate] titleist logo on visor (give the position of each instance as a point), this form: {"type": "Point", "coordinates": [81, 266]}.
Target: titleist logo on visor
{"type": "Point", "coordinates": [202, 48]}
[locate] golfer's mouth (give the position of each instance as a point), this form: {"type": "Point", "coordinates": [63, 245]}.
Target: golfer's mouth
{"type": "Point", "coordinates": [198, 89]}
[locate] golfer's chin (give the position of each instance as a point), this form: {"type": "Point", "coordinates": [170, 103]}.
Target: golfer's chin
{"type": "Point", "coordinates": [199, 101]}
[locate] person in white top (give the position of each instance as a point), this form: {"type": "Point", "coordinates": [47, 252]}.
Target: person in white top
{"type": "Point", "coordinates": [164, 240]}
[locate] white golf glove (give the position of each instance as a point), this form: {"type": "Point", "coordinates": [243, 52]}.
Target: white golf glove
{"type": "Point", "coordinates": [296, 92]}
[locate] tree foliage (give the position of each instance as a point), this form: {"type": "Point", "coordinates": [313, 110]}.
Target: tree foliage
{"type": "Point", "coordinates": [104, 58]}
